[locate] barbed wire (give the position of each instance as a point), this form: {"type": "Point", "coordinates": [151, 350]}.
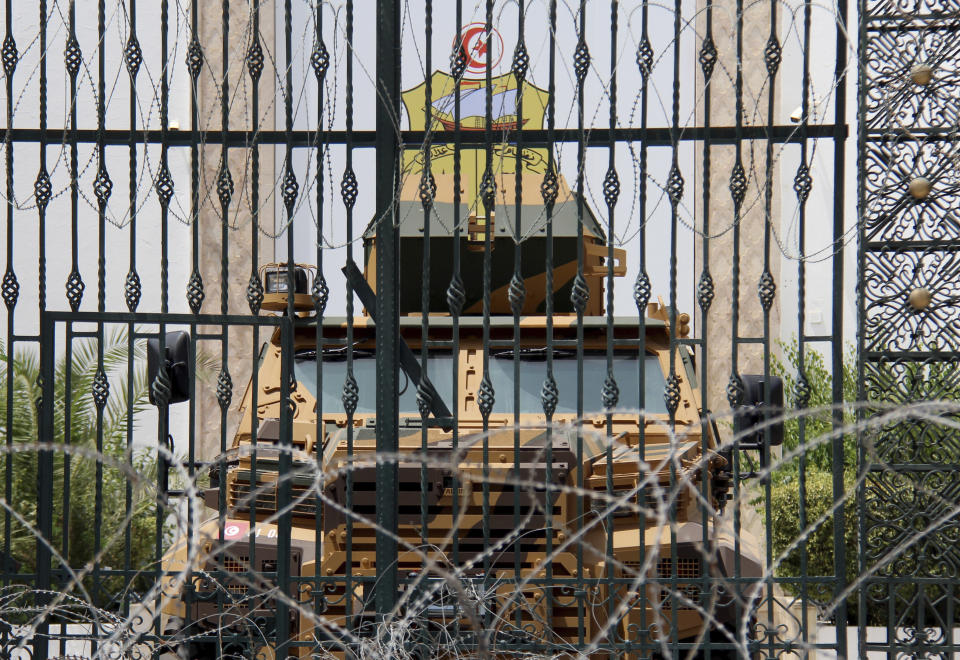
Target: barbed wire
{"type": "Point", "coordinates": [485, 604]}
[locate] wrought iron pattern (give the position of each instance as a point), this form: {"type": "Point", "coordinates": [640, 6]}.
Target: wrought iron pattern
{"type": "Point", "coordinates": [642, 153]}
{"type": "Point", "coordinates": [909, 343]}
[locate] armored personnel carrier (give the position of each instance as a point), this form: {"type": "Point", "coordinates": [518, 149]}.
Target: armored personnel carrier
{"type": "Point", "coordinates": [515, 534]}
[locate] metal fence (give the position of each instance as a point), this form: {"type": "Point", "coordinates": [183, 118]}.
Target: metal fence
{"type": "Point", "coordinates": [907, 341]}
{"type": "Point", "coordinates": [472, 427]}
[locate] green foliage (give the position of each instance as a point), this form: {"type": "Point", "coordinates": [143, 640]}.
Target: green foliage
{"type": "Point", "coordinates": [907, 381]}
{"type": "Point", "coordinates": [128, 511]}
{"type": "Point", "coordinates": [787, 529]}
{"type": "Point", "coordinates": [814, 427]}
{"type": "Point", "coordinates": [816, 463]}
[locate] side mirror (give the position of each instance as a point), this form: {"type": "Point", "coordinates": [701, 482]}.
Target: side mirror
{"type": "Point", "coordinates": [751, 413]}
{"type": "Point", "coordinates": [177, 361]}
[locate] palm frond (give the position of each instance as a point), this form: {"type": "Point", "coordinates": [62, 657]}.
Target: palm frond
{"type": "Point", "coordinates": [72, 407]}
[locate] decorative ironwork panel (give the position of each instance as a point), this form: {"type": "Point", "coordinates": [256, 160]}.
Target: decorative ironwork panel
{"type": "Point", "coordinates": [909, 318]}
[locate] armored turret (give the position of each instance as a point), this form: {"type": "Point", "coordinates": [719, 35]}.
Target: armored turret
{"type": "Point", "coordinates": [466, 232]}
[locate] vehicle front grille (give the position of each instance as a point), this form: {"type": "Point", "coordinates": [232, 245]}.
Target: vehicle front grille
{"type": "Point", "coordinates": [264, 497]}
{"type": "Point", "coordinates": [686, 595]}
{"type": "Point", "coordinates": [231, 588]}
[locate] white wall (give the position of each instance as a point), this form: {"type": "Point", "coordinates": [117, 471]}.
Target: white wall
{"type": "Point", "coordinates": [818, 247]}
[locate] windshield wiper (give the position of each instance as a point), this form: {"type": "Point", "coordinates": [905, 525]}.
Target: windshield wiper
{"type": "Point", "coordinates": [533, 354]}
{"type": "Point", "coordinates": [332, 354]}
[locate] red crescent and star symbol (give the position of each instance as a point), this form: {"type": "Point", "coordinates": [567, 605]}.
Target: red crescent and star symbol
{"type": "Point", "coordinates": [474, 39]}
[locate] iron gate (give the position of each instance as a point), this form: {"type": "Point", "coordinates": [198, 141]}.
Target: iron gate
{"type": "Point", "coordinates": [511, 445]}
{"type": "Point", "coordinates": [908, 306]}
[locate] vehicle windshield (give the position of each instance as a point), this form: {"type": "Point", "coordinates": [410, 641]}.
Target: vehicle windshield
{"type": "Point", "coordinates": [440, 370]}
{"type": "Point", "coordinates": [533, 371]}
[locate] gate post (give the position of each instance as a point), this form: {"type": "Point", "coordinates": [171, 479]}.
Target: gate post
{"type": "Point", "coordinates": [388, 319]}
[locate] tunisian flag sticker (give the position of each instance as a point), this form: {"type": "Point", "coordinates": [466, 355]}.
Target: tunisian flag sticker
{"type": "Point", "coordinates": [235, 530]}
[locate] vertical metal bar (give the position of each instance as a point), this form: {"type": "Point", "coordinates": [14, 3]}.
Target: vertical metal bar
{"type": "Point", "coordinates": [164, 188]}
{"type": "Point", "coordinates": [74, 288]}
{"type": "Point", "coordinates": [350, 392]}
{"type": "Point", "coordinates": [641, 294]}
{"type": "Point", "coordinates": [224, 187]}
{"type": "Point", "coordinates": [427, 186]}
{"type": "Point", "coordinates": [517, 292]}
{"type": "Point", "coordinates": [839, 178]}
{"type": "Point", "coordinates": [672, 391]}
{"type": "Point", "coordinates": [163, 182]}
{"type": "Point", "coordinates": [287, 338]}
{"type": "Point", "coordinates": [41, 187]}
{"type": "Point", "coordinates": [133, 56]}
{"type": "Point", "coordinates": [195, 60]}
{"type": "Point", "coordinates": [862, 456]}
{"type": "Point", "coordinates": [132, 291]}
{"type": "Point", "coordinates": [610, 393]}
{"type": "Point", "coordinates": [10, 278]}
{"type": "Point", "coordinates": [45, 476]}
{"type": "Point", "coordinates": [224, 180]}
{"type": "Point", "coordinates": [102, 186]}
{"type": "Point", "coordinates": [951, 639]}
{"type": "Point", "coordinates": [67, 436]}
{"type": "Point", "coordinates": [73, 58]}
{"type": "Point", "coordinates": [194, 292]}
{"type": "Point", "coordinates": [287, 330]}
{"type": "Point", "coordinates": [320, 293]}
{"type": "Point", "coordinates": [254, 59]}
{"type": "Point", "coordinates": [708, 56]}
{"type": "Point", "coordinates": [735, 386]}
{"type": "Point", "coordinates": [801, 186]}
{"type": "Point", "coordinates": [549, 392]}
{"type": "Point", "coordinates": [580, 292]}
{"type": "Point", "coordinates": [455, 291]}
{"type": "Point", "coordinates": [488, 191]}
{"type": "Point", "coordinates": [128, 572]}
{"type": "Point", "coordinates": [388, 319]}
{"type": "Point", "coordinates": [766, 290]}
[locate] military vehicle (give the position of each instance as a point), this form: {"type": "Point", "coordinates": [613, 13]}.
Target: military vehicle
{"type": "Point", "coordinates": [497, 509]}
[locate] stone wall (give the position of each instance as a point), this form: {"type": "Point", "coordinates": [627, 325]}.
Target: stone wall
{"type": "Point", "coordinates": [241, 350]}
{"type": "Point", "coordinates": [720, 325]}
